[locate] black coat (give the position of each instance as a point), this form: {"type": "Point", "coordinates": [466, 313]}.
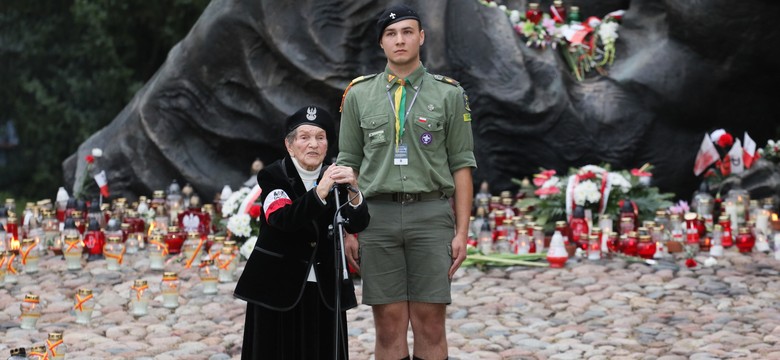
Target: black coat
{"type": "Point", "coordinates": [292, 236]}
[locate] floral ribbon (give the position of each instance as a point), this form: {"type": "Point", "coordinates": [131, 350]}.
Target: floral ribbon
{"type": "Point", "coordinates": [25, 253]}
{"type": "Point", "coordinates": [117, 257]}
{"type": "Point", "coordinates": [139, 290]}
{"type": "Point", "coordinates": [53, 347]}
{"type": "Point", "coordinates": [194, 254]}
{"type": "Point", "coordinates": [42, 356]}
{"type": "Point", "coordinates": [10, 265]}
{"type": "Point", "coordinates": [224, 265]}
{"type": "Point", "coordinates": [80, 302]}
{"type": "Point", "coordinates": [163, 246]}
{"type": "Point", "coordinates": [71, 245]}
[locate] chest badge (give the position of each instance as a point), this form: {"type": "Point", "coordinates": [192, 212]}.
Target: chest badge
{"type": "Point", "coordinates": [426, 138]}
{"type": "Point", "coordinates": [430, 107]}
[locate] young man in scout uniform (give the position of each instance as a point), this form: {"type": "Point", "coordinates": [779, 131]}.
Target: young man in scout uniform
{"type": "Point", "coordinates": [407, 133]}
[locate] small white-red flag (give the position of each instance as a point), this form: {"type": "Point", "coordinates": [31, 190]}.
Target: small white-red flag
{"type": "Point", "coordinates": [737, 166]}
{"type": "Point", "coordinates": [102, 182]}
{"type": "Point", "coordinates": [749, 150]}
{"type": "Point", "coordinates": [706, 156]}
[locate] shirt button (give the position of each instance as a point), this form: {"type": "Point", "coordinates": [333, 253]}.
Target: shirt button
{"type": "Point", "coordinates": [373, 123]}
{"type": "Point", "coordinates": [313, 243]}
{"type": "Point", "coordinates": [403, 178]}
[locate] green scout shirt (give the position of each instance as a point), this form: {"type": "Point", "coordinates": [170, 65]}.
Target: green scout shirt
{"type": "Point", "coordinates": [437, 132]}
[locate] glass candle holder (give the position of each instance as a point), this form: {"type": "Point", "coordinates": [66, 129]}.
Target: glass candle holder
{"type": "Point", "coordinates": [192, 248]}
{"type": "Point", "coordinates": [646, 247]}
{"type": "Point", "coordinates": [727, 238]}
{"type": "Point", "coordinates": [30, 256]}
{"type": "Point", "coordinates": [174, 239]}
{"type": "Point", "coordinates": [227, 263]}
{"type": "Point", "coordinates": [114, 252]}
{"type": "Point", "coordinates": [11, 266]}
{"type": "Point", "coordinates": [538, 239]}
{"type": "Point", "coordinates": [37, 352]}
{"type": "Point", "coordinates": [73, 250]}
{"type": "Point", "coordinates": [18, 354]}
{"type": "Point", "coordinates": [745, 240]}
{"type": "Point", "coordinates": [158, 250]}
{"type": "Point", "coordinates": [169, 287]}
{"type": "Point", "coordinates": [630, 244]}
{"type": "Point", "coordinates": [209, 276]}
{"type": "Point", "coordinates": [31, 311]}
{"type": "Point", "coordinates": [594, 247]}
{"type": "Point", "coordinates": [523, 242]}
{"type": "Point", "coordinates": [139, 298]}
{"type": "Point", "coordinates": [55, 348]}
{"type": "Point", "coordinates": [716, 247]}
{"type": "Point", "coordinates": [84, 305]}
{"type": "Point", "coordinates": [132, 244]}
{"type": "Point", "coordinates": [219, 241]}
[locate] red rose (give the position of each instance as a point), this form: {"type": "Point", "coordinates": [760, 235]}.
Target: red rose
{"type": "Point", "coordinates": [254, 211]}
{"type": "Point", "coordinates": [90, 159]}
{"type": "Point", "coordinates": [690, 263]}
{"type": "Point", "coordinates": [725, 140]}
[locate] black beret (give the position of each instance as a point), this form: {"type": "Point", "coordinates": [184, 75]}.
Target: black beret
{"type": "Point", "coordinates": [310, 115]}
{"type": "Point", "coordinates": [393, 15]}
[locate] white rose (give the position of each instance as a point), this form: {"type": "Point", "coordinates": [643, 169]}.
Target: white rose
{"type": "Point", "coordinates": [514, 16]}
{"type": "Point", "coordinates": [97, 152]}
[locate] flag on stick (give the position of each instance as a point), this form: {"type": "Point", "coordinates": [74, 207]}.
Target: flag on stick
{"type": "Point", "coordinates": [102, 182]}
{"type": "Point", "coordinates": [706, 156]}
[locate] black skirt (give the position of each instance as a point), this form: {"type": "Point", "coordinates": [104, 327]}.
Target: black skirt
{"type": "Point", "coordinates": [303, 332]}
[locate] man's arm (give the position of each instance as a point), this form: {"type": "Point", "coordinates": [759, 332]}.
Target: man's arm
{"type": "Point", "coordinates": [464, 196]}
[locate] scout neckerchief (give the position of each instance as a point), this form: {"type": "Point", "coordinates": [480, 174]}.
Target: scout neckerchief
{"type": "Point", "coordinates": [398, 104]}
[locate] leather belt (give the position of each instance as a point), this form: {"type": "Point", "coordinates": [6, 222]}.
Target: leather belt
{"type": "Point", "coordinates": [405, 198]}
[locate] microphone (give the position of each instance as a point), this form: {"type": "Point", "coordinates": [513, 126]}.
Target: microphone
{"type": "Point", "coordinates": [345, 186]}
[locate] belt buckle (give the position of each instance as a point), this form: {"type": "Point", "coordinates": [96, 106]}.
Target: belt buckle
{"type": "Point", "coordinates": [406, 198]}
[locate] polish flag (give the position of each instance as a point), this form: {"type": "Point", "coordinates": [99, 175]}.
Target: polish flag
{"type": "Point", "coordinates": [706, 156]}
{"type": "Point", "coordinates": [250, 199]}
{"type": "Point", "coordinates": [749, 150]}
{"type": "Point", "coordinates": [737, 166]}
{"type": "Point", "coordinates": [102, 183]}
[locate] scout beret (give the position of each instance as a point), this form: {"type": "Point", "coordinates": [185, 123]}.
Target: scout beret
{"type": "Point", "coordinates": [310, 115]}
{"type": "Point", "coordinates": [393, 15]}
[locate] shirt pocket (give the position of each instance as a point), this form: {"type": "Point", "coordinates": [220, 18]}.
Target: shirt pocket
{"type": "Point", "coordinates": [375, 130]}
{"type": "Point", "coordinates": [428, 132]}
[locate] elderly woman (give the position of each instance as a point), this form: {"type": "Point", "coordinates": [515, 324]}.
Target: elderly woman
{"type": "Point", "coordinates": [289, 281]}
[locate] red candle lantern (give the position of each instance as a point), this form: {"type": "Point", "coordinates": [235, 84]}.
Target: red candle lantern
{"type": "Point", "coordinates": [533, 14]}
{"type": "Point", "coordinates": [630, 244]}
{"type": "Point", "coordinates": [174, 239]}
{"type": "Point", "coordinates": [726, 238]}
{"type": "Point", "coordinates": [745, 240]}
{"type": "Point", "coordinates": [646, 247]}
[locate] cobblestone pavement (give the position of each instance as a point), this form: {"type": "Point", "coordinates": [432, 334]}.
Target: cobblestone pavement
{"type": "Point", "coordinates": [607, 309]}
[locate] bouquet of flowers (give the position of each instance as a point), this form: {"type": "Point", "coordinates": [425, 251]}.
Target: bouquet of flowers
{"type": "Point", "coordinates": [586, 46]}
{"type": "Point", "coordinates": [99, 178]}
{"type": "Point", "coordinates": [240, 218]}
{"type": "Point", "coordinates": [771, 151]}
{"type": "Point", "coordinates": [596, 188]}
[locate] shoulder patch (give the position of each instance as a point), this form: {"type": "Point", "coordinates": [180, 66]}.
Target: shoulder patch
{"type": "Point", "coordinates": [351, 83]}
{"type": "Point", "coordinates": [447, 80]}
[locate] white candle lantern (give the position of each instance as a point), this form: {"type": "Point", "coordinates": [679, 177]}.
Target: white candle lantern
{"type": "Point", "coordinates": [594, 247]}
{"type": "Point", "coordinates": [158, 250]}
{"type": "Point", "coordinates": [84, 305]}
{"type": "Point", "coordinates": [209, 276]}
{"type": "Point", "coordinates": [557, 255]}
{"type": "Point", "coordinates": [55, 348]}
{"type": "Point", "coordinates": [114, 252]}
{"type": "Point", "coordinates": [30, 255]}
{"type": "Point", "coordinates": [539, 239]}
{"type": "Point", "coordinates": [11, 267]}
{"type": "Point", "coordinates": [139, 298]}
{"type": "Point", "coordinates": [716, 248]}
{"type": "Point", "coordinates": [192, 248]}
{"type": "Point", "coordinates": [73, 250]}
{"type": "Point", "coordinates": [169, 287]}
{"type": "Point", "coordinates": [227, 264]}
{"type": "Point", "coordinates": [37, 352]}
{"type": "Point", "coordinates": [31, 311]}
{"type": "Point", "coordinates": [523, 242]}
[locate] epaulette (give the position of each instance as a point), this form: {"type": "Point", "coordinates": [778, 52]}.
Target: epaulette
{"type": "Point", "coordinates": [353, 82]}
{"type": "Point", "coordinates": [454, 82]}
{"type": "Point", "coordinates": [446, 79]}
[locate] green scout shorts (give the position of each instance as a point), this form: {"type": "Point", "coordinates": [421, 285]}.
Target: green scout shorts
{"type": "Point", "coordinates": [406, 252]}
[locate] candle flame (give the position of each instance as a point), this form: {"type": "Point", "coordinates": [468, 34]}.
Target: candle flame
{"type": "Point", "coordinates": [774, 217]}
{"type": "Point", "coordinates": [15, 244]}
{"type": "Point", "coordinates": [151, 228]}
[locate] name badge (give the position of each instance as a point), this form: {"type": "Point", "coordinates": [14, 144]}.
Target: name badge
{"type": "Point", "coordinates": [401, 155]}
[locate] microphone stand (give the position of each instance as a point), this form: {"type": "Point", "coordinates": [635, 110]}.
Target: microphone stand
{"type": "Point", "coordinates": [341, 267]}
